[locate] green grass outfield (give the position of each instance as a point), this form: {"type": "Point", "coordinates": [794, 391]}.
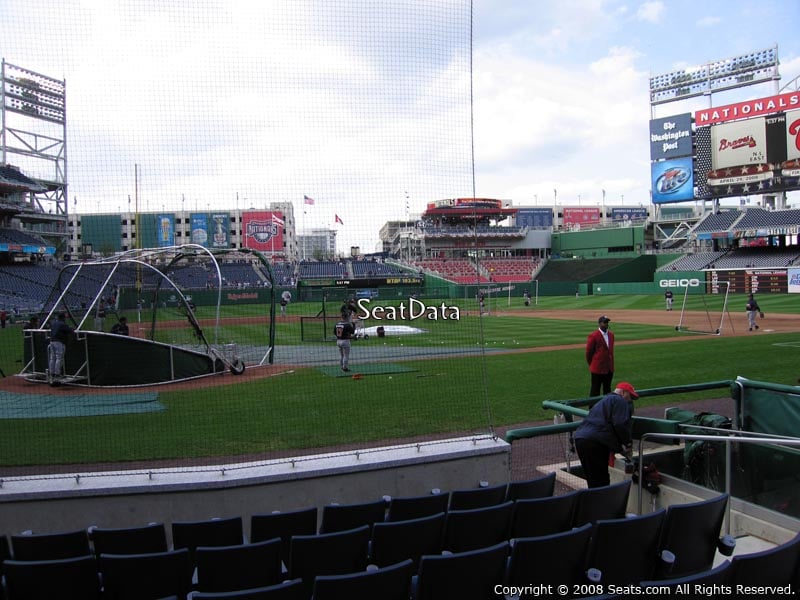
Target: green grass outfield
{"type": "Point", "coordinates": [306, 409]}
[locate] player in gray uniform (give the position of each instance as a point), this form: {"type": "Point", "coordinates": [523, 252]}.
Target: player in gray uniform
{"type": "Point", "coordinates": [344, 331]}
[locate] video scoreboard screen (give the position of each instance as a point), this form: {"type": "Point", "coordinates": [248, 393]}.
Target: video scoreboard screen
{"type": "Point", "coordinates": [749, 281]}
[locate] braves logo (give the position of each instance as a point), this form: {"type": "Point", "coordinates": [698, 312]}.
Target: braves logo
{"type": "Point", "coordinates": [743, 142]}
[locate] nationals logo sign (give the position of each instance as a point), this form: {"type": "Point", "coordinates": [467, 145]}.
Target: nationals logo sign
{"type": "Point", "coordinates": [263, 230]}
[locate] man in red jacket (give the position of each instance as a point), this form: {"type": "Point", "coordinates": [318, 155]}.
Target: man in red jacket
{"type": "Point", "coordinates": [600, 357]}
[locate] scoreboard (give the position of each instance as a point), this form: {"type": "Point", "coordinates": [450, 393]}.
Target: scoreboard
{"type": "Point", "coordinates": [748, 281]}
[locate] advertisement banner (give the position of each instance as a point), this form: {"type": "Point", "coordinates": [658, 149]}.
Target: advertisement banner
{"type": "Point", "coordinates": [793, 281]}
{"type": "Point", "coordinates": [263, 230]}
{"type": "Point", "coordinates": [575, 217]}
{"type": "Point", "coordinates": [541, 218]}
{"type": "Point", "coordinates": [749, 108]}
{"type": "Point", "coordinates": [218, 234]}
{"type": "Point", "coordinates": [671, 137]}
{"type": "Point", "coordinates": [672, 180]}
{"type": "Point", "coordinates": [739, 143]}
{"type": "Point", "coordinates": [166, 230]}
{"type": "Point", "coordinates": [199, 229]}
{"type": "Point", "coordinates": [625, 214]}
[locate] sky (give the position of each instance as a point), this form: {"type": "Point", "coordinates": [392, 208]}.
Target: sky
{"type": "Point", "coordinates": [371, 108]}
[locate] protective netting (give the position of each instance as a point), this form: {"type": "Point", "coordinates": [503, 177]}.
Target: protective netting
{"type": "Point", "coordinates": [297, 128]}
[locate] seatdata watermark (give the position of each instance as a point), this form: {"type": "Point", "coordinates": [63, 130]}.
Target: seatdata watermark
{"type": "Point", "coordinates": [412, 310]}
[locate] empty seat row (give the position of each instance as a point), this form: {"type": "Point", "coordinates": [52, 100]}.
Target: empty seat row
{"type": "Point", "coordinates": [615, 551]}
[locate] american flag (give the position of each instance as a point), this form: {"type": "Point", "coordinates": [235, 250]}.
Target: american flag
{"type": "Point", "coordinates": [743, 180]}
{"type": "Point", "coordinates": [307, 200]}
{"type": "Point", "coordinates": [338, 220]}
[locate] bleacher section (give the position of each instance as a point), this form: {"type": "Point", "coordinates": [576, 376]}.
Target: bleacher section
{"type": "Point", "coordinates": [371, 268]}
{"type": "Point", "coordinates": [241, 275]}
{"type": "Point", "coordinates": [457, 270]}
{"type": "Point", "coordinates": [26, 287]}
{"type": "Point", "coordinates": [720, 221]}
{"type": "Point", "coordinates": [505, 270]}
{"type": "Point", "coordinates": [23, 238]}
{"type": "Point", "coordinates": [316, 270]}
{"type": "Point", "coordinates": [693, 262]}
{"type": "Point", "coordinates": [283, 272]}
{"type": "Point", "coordinates": [752, 222]}
{"type": "Point", "coordinates": [758, 218]}
{"type": "Point", "coordinates": [741, 258]}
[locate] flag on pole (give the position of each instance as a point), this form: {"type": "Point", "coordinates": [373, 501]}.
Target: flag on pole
{"type": "Point", "coordinates": [277, 220]}
{"type": "Point", "coordinates": [307, 200]}
{"type": "Point", "coordinates": [338, 220]}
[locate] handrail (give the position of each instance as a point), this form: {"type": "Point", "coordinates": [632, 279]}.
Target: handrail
{"type": "Point", "coordinates": [733, 436]}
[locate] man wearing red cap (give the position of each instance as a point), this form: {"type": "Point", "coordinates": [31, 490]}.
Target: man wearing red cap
{"type": "Point", "coordinates": [606, 430]}
{"type": "Point", "coordinates": [600, 357]}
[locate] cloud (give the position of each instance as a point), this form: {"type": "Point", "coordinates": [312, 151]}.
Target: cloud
{"type": "Point", "coordinates": [708, 21]}
{"type": "Point", "coordinates": [650, 12]}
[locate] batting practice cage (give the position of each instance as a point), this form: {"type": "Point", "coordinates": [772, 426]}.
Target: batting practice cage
{"type": "Point", "coordinates": [237, 174]}
{"type": "Point", "coordinates": [166, 341]}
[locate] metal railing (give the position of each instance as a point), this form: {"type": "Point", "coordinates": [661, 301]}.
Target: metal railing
{"type": "Point", "coordinates": [731, 436]}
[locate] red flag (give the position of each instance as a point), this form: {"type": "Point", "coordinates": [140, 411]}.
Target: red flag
{"type": "Point", "coordinates": [307, 200]}
{"type": "Point", "coordinates": [338, 220]}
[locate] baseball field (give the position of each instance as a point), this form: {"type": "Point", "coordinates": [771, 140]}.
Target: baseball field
{"type": "Point", "coordinates": [477, 373]}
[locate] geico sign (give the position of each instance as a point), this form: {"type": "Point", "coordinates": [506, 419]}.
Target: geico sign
{"type": "Point", "coordinates": [666, 283]}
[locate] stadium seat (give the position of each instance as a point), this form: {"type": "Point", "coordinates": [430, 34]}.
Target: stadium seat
{"type": "Point", "coordinates": [392, 582]}
{"type": "Point", "coordinates": [284, 525]}
{"type": "Point", "coordinates": [607, 502]}
{"type": "Point", "coordinates": [211, 532]}
{"type": "Point", "coordinates": [472, 574]}
{"type": "Point", "coordinates": [557, 559]}
{"type": "Point", "coordinates": [287, 590]}
{"type": "Point", "coordinates": [130, 540]}
{"type": "Point", "coordinates": [50, 546]}
{"type": "Point", "coordinates": [414, 507]}
{"type": "Point", "coordinates": [776, 566]}
{"type": "Point", "coordinates": [477, 497]}
{"type": "Point", "coordinates": [231, 568]}
{"type": "Point", "coordinates": [65, 579]}
{"type": "Point", "coordinates": [146, 576]}
{"type": "Point", "coordinates": [328, 554]}
{"type": "Point", "coordinates": [476, 528]}
{"type": "Point", "coordinates": [341, 517]}
{"type": "Point", "coordinates": [543, 516]}
{"type": "Point", "coordinates": [5, 553]}
{"type": "Point", "coordinates": [540, 487]}
{"type": "Point", "coordinates": [395, 541]}
{"type": "Point", "coordinates": [714, 576]}
{"type": "Point", "coordinates": [691, 532]}
{"type": "Point", "coordinates": [624, 551]}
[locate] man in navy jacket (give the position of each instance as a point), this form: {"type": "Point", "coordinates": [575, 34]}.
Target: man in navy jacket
{"type": "Point", "coordinates": [605, 431]}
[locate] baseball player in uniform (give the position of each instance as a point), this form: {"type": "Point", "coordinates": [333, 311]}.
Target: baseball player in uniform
{"type": "Point", "coordinates": [344, 330]}
{"type": "Point", "coordinates": [753, 309]}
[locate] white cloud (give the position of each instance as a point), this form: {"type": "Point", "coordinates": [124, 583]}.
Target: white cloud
{"type": "Point", "coordinates": [708, 22]}
{"type": "Point", "coordinates": [650, 12]}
